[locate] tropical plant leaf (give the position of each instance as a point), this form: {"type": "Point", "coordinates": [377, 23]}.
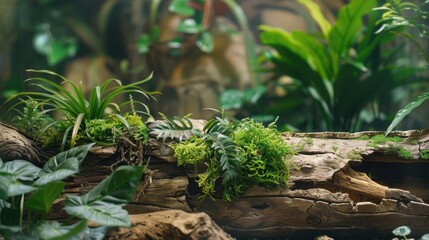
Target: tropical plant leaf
{"type": "Point", "coordinates": [63, 165]}
{"type": "Point", "coordinates": [103, 204]}
{"type": "Point", "coordinates": [402, 113]}
{"type": "Point", "coordinates": [41, 200]}
{"type": "Point", "coordinates": [53, 230]}
{"type": "Point", "coordinates": [10, 187]}
{"type": "Point", "coordinates": [317, 15]}
{"type": "Point", "coordinates": [118, 188]}
{"type": "Point", "coordinates": [348, 25]}
{"type": "Point", "coordinates": [181, 7]}
{"type": "Point", "coordinates": [99, 212]}
{"type": "Point", "coordinates": [174, 128]}
{"type": "Point", "coordinates": [19, 169]}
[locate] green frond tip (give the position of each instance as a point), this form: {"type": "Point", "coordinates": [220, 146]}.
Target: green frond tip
{"type": "Point", "coordinates": [174, 128]}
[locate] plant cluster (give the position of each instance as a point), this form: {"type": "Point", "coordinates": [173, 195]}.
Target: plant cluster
{"type": "Point", "coordinates": [233, 155]}
{"type": "Point", "coordinates": [28, 192]}
{"type": "Point", "coordinates": [407, 14]}
{"type": "Point", "coordinates": [328, 71]}
{"type": "Point", "coordinates": [82, 118]}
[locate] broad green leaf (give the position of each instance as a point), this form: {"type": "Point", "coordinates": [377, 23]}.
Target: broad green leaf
{"type": "Point", "coordinates": [41, 200]}
{"type": "Point", "coordinates": [20, 169]}
{"type": "Point", "coordinates": [5, 230]}
{"type": "Point", "coordinates": [189, 25]}
{"type": "Point", "coordinates": [100, 212]}
{"type": "Point", "coordinates": [9, 187]}
{"type": "Point", "coordinates": [252, 95]}
{"type": "Point", "coordinates": [53, 230]}
{"type": "Point", "coordinates": [205, 42]}
{"type": "Point", "coordinates": [79, 152]}
{"type": "Point", "coordinates": [317, 15]}
{"type": "Point", "coordinates": [118, 188]}
{"type": "Point", "coordinates": [348, 25]}
{"type": "Point", "coordinates": [402, 113]}
{"type": "Point", "coordinates": [59, 50]}
{"type": "Point", "coordinates": [58, 171]}
{"type": "Point", "coordinates": [232, 99]}
{"type": "Point", "coordinates": [181, 7]}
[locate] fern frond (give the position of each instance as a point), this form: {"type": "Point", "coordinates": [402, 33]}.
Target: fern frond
{"type": "Point", "coordinates": [218, 125]}
{"type": "Point", "coordinates": [177, 128]}
{"type": "Point", "coordinates": [228, 151]}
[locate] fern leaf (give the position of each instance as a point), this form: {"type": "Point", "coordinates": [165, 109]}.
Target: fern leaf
{"type": "Point", "coordinates": [175, 128]}
{"type": "Point", "coordinates": [228, 151]}
{"type": "Point", "coordinates": [218, 125]}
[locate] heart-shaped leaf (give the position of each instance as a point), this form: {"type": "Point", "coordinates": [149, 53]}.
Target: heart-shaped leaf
{"type": "Point", "coordinates": [42, 199]}
{"type": "Point", "coordinates": [20, 169]}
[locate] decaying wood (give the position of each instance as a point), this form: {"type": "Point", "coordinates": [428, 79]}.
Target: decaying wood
{"type": "Point", "coordinates": [172, 224]}
{"type": "Point", "coordinates": [14, 145]}
{"type": "Point", "coordinates": [339, 185]}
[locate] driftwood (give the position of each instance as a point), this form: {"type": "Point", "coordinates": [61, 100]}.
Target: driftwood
{"type": "Point", "coordinates": [172, 225]}
{"type": "Point", "coordinates": [15, 145]}
{"type": "Point", "coordinates": [340, 185]}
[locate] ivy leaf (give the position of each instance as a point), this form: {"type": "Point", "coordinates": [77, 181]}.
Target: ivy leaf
{"type": "Point", "coordinates": [42, 199]}
{"type": "Point", "coordinates": [402, 113]}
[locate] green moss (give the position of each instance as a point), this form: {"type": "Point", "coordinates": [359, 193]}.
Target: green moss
{"type": "Point", "coordinates": [354, 155]}
{"type": "Point", "coordinates": [380, 139]}
{"type": "Point", "coordinates": [335, 148]}
{"type": "Point", "coordinates": [424, 154]}
{"type": "Point", "coordinates": [364, 137]}
{"type": "Point", "coordinates": [237, 155]}
{"type": "Point", "coordinates": [191, 152]}
{"type": "Point", "coordinates": [398, 150]}
{"type": "Point", "coordinates": [104, 131]}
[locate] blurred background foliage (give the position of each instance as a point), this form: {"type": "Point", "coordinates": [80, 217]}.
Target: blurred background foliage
{"type": "Point", "coordinates": [213, 53]}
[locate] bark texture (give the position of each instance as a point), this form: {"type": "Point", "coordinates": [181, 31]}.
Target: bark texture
{"type": "Point", "coordinates": [172, 225]}
{"type": "Point", "coordinates": [14, 145]}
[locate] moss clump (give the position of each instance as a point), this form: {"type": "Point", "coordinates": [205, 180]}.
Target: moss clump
{"type": "Point", "coordinates": [380, 139]}
{"type": "Point", "coordinates": [424, 154]}
{"type": "Point", "coordinates": [398, 150]}
{"type": "Point", "coordinates": [364, 137]}
{"type": "Point", "coordinates": [237, 155]}
{"type": "Point", "coordinates": [110, 130]}
{"type": "Point", "coordinates": [354, 154]}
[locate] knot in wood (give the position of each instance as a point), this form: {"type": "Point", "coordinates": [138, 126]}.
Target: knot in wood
{"type": "Point", "coordinates": [313, 220]}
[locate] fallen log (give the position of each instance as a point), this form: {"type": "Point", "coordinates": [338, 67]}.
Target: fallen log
{"type": "Point", "coordinates": [341, 184]}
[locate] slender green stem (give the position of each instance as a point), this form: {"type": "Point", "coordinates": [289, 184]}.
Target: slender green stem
{"type": "Point", "coordinates": [21, 210]}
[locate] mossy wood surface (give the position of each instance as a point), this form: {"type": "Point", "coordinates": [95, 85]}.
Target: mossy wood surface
{"type": "Point", "coordinates": [341, 184]}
